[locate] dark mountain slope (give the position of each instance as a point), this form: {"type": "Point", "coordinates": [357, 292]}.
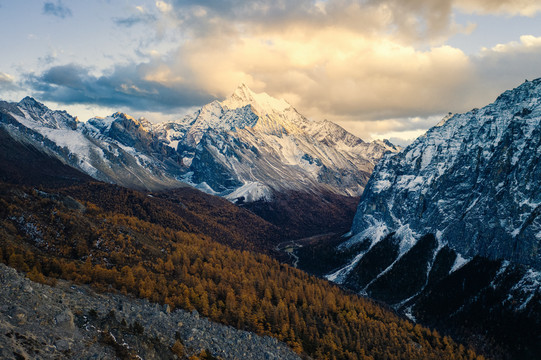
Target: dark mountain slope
{"type": "Point", "coordinates": [24, 164]}
{"type": "Point", "coordinates": [185, 209]}
{"type": "Point", "coordinates": [302, 214]}
{"type": "Point", "coordinates": [47, 234]}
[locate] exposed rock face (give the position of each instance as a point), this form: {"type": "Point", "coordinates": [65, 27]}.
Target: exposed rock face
{"type": "Point", "coordinates": [116, 149]}
{"type": "Point", "coordinates": [66, 322]}
{"type": "Point", "coordinates": [473, 180]}
{"type": "Point", "coordinates": [250, 146]}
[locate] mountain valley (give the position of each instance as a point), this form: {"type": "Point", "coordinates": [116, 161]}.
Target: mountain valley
{"type": "Point", "coordinates": [116, 203]}
{"type": "Point", "coordinates": [251, 149]}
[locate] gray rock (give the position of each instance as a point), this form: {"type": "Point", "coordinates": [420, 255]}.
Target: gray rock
{"type": "Point", "coordinates": [74, 322]}
{"type": "Point", "coordinates": [62, 345]}
{"type": "Point", "coordinates": [472, 180]}
{"type": "Point", "coordinates": [65, 320]}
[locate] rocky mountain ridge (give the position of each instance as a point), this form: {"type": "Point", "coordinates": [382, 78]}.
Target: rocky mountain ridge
{"type": "Point", "coordinates": [460, 206]}
{"type": "Point", "coordinates": [250, 145]}
{"type": "Point", "coordinates": [472, 180]}
{"type": "Point", "coordinates": [125, 154]}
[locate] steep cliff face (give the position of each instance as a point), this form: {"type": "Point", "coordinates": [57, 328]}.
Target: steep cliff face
{"type": "Point", "coordinates": [449, 230]}
{"type": "Point", "coordinates": [473, 180]}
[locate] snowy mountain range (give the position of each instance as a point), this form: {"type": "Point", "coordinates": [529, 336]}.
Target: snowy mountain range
{"type": "Point", "coordinates": [246, 147]}
{"type": "Point", "coordinates": [117, 149]}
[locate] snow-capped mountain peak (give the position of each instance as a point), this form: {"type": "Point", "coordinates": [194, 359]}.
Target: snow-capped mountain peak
{"type": "Point", "coordinates": [262, 103]}
{"type": "Point", "coordinates": [121, 115]}
{"type": "Point", "coordinates": [252, 144]}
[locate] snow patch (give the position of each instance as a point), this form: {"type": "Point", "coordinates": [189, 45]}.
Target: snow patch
{"type": "Point", "coordinates": [206, 188]}
{"type": "Point", "coordinates": [501, 271]}
{"type": "Point", "coordinates": [187, 161]}
{"type": "Point", "coordinates": [173, 144]}
{"type": "Point", "coordinates": [340, 275]}
{"type": "Point", "coordinates": [410, 182]}
{"type": "Point", "coordinates": [251, 191]}
{"type": "Point", "coordinates": [381, 185]}
{"type": "Point", "coordinates": [407, 238]}
{"type": "Point", "coordinates": [528, 286]}
{"type": "Point", "coordinates": [408, 312]}
{"type": "Point", "coordinates": [262, 103]}
{"type": "Point", "coordinates": [375, 232]}
{"type": "Point", "coordinates": [459, 262]}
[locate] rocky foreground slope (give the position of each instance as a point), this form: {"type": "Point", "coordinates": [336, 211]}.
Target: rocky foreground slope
{"type": "Point", "coordinates": [65, 322]}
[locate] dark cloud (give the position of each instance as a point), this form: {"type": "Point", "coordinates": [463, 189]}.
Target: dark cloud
{"type": "Point", "coordinates": [124, 86]}
{"type": "Point", "coordinates": [58, 9]}
{"type": "Point", "coordinates": [135, 20]}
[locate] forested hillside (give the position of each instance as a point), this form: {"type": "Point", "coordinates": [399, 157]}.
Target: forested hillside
{"type": "Point", "coordinates": [52, 235]}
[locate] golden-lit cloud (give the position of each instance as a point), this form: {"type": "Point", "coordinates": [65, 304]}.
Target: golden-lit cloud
{"type": "Point", "coordinates": [6, 78]}
{"type": "Point", "coordinates": [164, 6]}
{"type": "Point", "coordinates": [331, 73]}
{"type": "Point", "coordinates": [379, 67]}
{"type": "Point", "coordinates": [505, 7]}
{"type": "Point", "coordinates": [527, 43]}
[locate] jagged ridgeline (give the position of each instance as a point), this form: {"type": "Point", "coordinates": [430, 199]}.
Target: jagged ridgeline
{"type": "Point", "coordinates": [50, 235]}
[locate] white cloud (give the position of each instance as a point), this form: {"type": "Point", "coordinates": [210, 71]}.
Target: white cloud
{"type": "Point", "coordinates": [527, 43]}
{"type": "Point", "coordinates": [164, 7]}
{"type": "Point", "coordinates": [9, 89]}
{"type": "Point", "coordinates": [401, 131]}
{"type": "Point", "coordinates": [6, 78]}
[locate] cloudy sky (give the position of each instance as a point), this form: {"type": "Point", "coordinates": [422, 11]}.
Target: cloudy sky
{"type": "Point", "coordinates": [382, 69]}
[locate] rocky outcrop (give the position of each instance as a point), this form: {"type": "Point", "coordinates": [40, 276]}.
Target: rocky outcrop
{"type": "Point", "coordinates": [66, 321]}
